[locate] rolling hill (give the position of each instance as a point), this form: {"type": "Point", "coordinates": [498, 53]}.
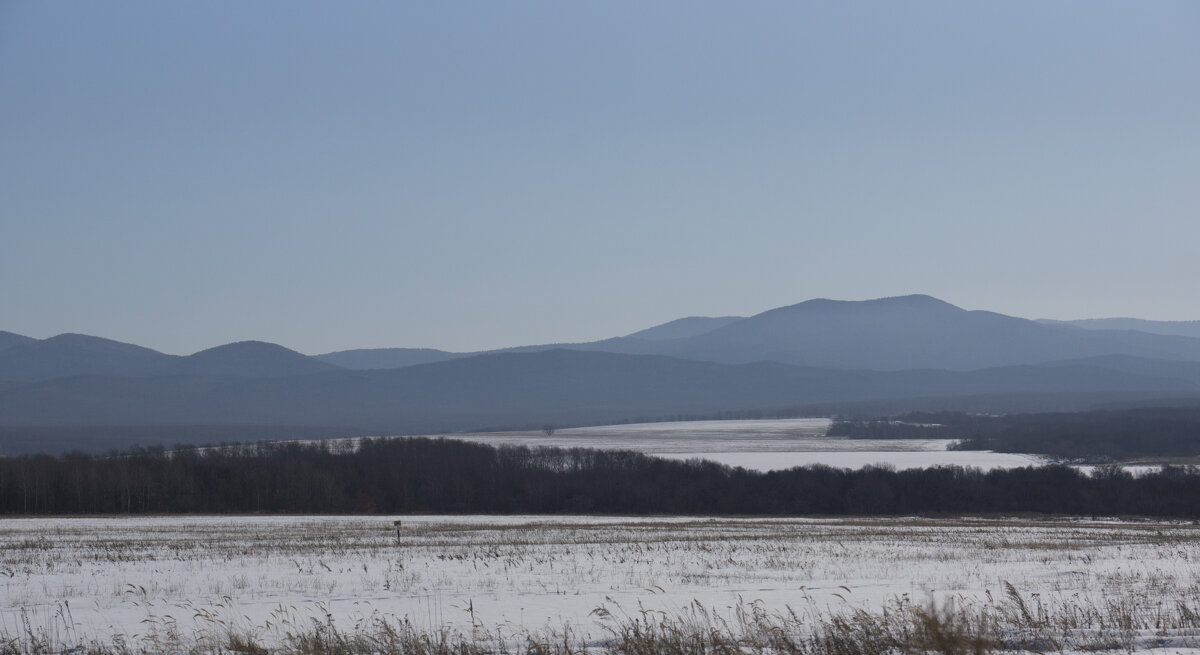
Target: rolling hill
{"type": "Point", "coordinates": [249, 359]}
{"type": "Point", "coordinates": [10, 339]}
{"type": "Point", "coordinates": [77, 354]}
{"type": "Point", "coordinates": [68, 355]}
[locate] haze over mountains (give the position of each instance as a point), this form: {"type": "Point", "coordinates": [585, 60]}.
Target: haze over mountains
{"type": "Point", "coordinates": [886, 334]}
{"type": "Point", "coordinates": [820, 356]}
{"type": "Point", "coordinates": [69, 355]}
{"type": "Point", "coordinates": [1178, 328]}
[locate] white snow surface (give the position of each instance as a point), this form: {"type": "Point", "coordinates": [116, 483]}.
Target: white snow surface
{"type": "Point", "coordinates": [99, 577]}
{"type": "Point", "coordinates": [761, 445]}
{"type": "Point", "coordinates": [856, 459]}
{"type": "Point", "coordinates": [765, 435]}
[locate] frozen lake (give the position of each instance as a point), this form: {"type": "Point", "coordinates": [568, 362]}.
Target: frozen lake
{"type": "Point", "coordinates": [762, 445]}
{"type": "Point", "coordinates": [856, 459]}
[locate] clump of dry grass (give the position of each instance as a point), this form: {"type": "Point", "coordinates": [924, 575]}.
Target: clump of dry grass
{"type": "Point", "coordinates": [1012, 623]}
{"type": "Point", "coordinates": [899, 628]}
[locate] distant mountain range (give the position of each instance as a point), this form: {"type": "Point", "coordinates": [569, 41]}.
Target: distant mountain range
{"type": "Point", "coordinates": [554, 386]}
{"type": "Point", "coordinates": [911, 352]}
{"type": "Point", "coordinates": [69, 355]}
{"type": "Point", "coordinates": [887, 334]}
{"type": "Point", "coordinates": [1177, 328]}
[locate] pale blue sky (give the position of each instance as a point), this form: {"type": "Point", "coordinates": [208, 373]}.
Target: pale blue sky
{"type": "Point", "coordinates": [474, 175]}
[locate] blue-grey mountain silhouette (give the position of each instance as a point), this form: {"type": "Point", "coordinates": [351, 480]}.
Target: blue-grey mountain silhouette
{"type": "Point", "coordinates": [366, 359]}
{"type": "Point", "coordinates": [247, 359]}
{"type": "Point", "coordinates": [77, 354]}
{"type": "Point", "coordinates": [681, 328]}
{"type": "Point", "coordinates": [911, 332]}
{"type": "Point", "coordinates": [902, 353]}
{"type": "Point", "coordinates": [10, 339]}
{"type": "Point", "coordinates": [1176, 328]}
{"type": "Point", "coordinates": [904, 332]}
{"type": "Point", "coordinates": [521, 389]}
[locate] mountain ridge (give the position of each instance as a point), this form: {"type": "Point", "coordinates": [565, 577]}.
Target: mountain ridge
{"type": "Point", "coordinates": [891, 333]}
{"type": "Point", "coordinates": [904, 332]}
{"type": "Point", "coordinates": [365, 359]}
{"type": "Point", "coordinates": [688, 326]}
{"type": "Point", "coordinates": [899, 352]}
{"type": "Point", "coordinates": [10, 339]}
{"type": "Point", "coordinates": [70, 354]}
{"type": "Point", "coordinates": [555, 386]}
{"type": "Point", "coordinates": [1173, 328]}
{"type": "Point", "coordinates": [247, 359]}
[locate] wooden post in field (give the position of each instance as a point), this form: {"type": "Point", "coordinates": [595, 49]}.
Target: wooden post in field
{"type": "Point", "coordinates": [397, 524]}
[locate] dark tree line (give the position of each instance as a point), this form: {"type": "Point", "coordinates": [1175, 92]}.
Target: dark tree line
{"type": "Point", "coordinates": [910, 426]}
{"type": "Point", "coordinates": [1093, 435]}
{"type": "Point", "coordinates": [1108, 434]}
{"type": "Point", "coordinates": [58, 439]}
{"type": "Point", "coordinates": [421, 475]}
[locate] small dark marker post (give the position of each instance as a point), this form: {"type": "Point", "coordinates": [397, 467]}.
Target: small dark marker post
{"type": "Point", "coordinates": [397, 524]}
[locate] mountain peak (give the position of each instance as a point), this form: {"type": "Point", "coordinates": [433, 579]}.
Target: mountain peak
{"type": "Point", "coordinates": [914, 302]}
{"type": "Point", "coordinates": [247, 347]}
{"type": "Point", "coordinates": [248, 359]}
{"type": "Point", "coordinates": [899, 332]}
{"type": "Point", "coordinates": [75, 338]}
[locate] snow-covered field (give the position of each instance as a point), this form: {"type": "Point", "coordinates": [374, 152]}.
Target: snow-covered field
{"type": "Point", "coordinates": [763, 445]}
{"type": "Point", "coordinates": [95, 578]}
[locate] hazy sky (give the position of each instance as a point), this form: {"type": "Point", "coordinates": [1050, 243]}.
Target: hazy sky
{"type": "Point", "coordinates": [473, 175]}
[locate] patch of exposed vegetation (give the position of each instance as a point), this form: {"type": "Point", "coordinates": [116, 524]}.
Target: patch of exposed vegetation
{"type": "Point", "coordinates": [1011, 623]}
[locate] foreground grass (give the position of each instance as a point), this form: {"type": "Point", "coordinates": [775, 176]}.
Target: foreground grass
{"type": "Point", "coordinates": [1013, 623]}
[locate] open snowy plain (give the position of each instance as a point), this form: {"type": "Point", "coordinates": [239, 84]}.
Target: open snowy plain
{"type": "Point", "coordinates": [144, 580]}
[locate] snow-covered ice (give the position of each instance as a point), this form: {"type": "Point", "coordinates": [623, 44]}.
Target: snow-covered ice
{"type": "Point", "coordinates": [856, 459]}
{"type": "Point", "coordinates": [762, 445]}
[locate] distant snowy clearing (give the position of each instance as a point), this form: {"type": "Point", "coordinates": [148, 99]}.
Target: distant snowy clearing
{"type": "Point", "coordinates": [761, 445]}
{"type": "Point", "coordinates": [856, 459]}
